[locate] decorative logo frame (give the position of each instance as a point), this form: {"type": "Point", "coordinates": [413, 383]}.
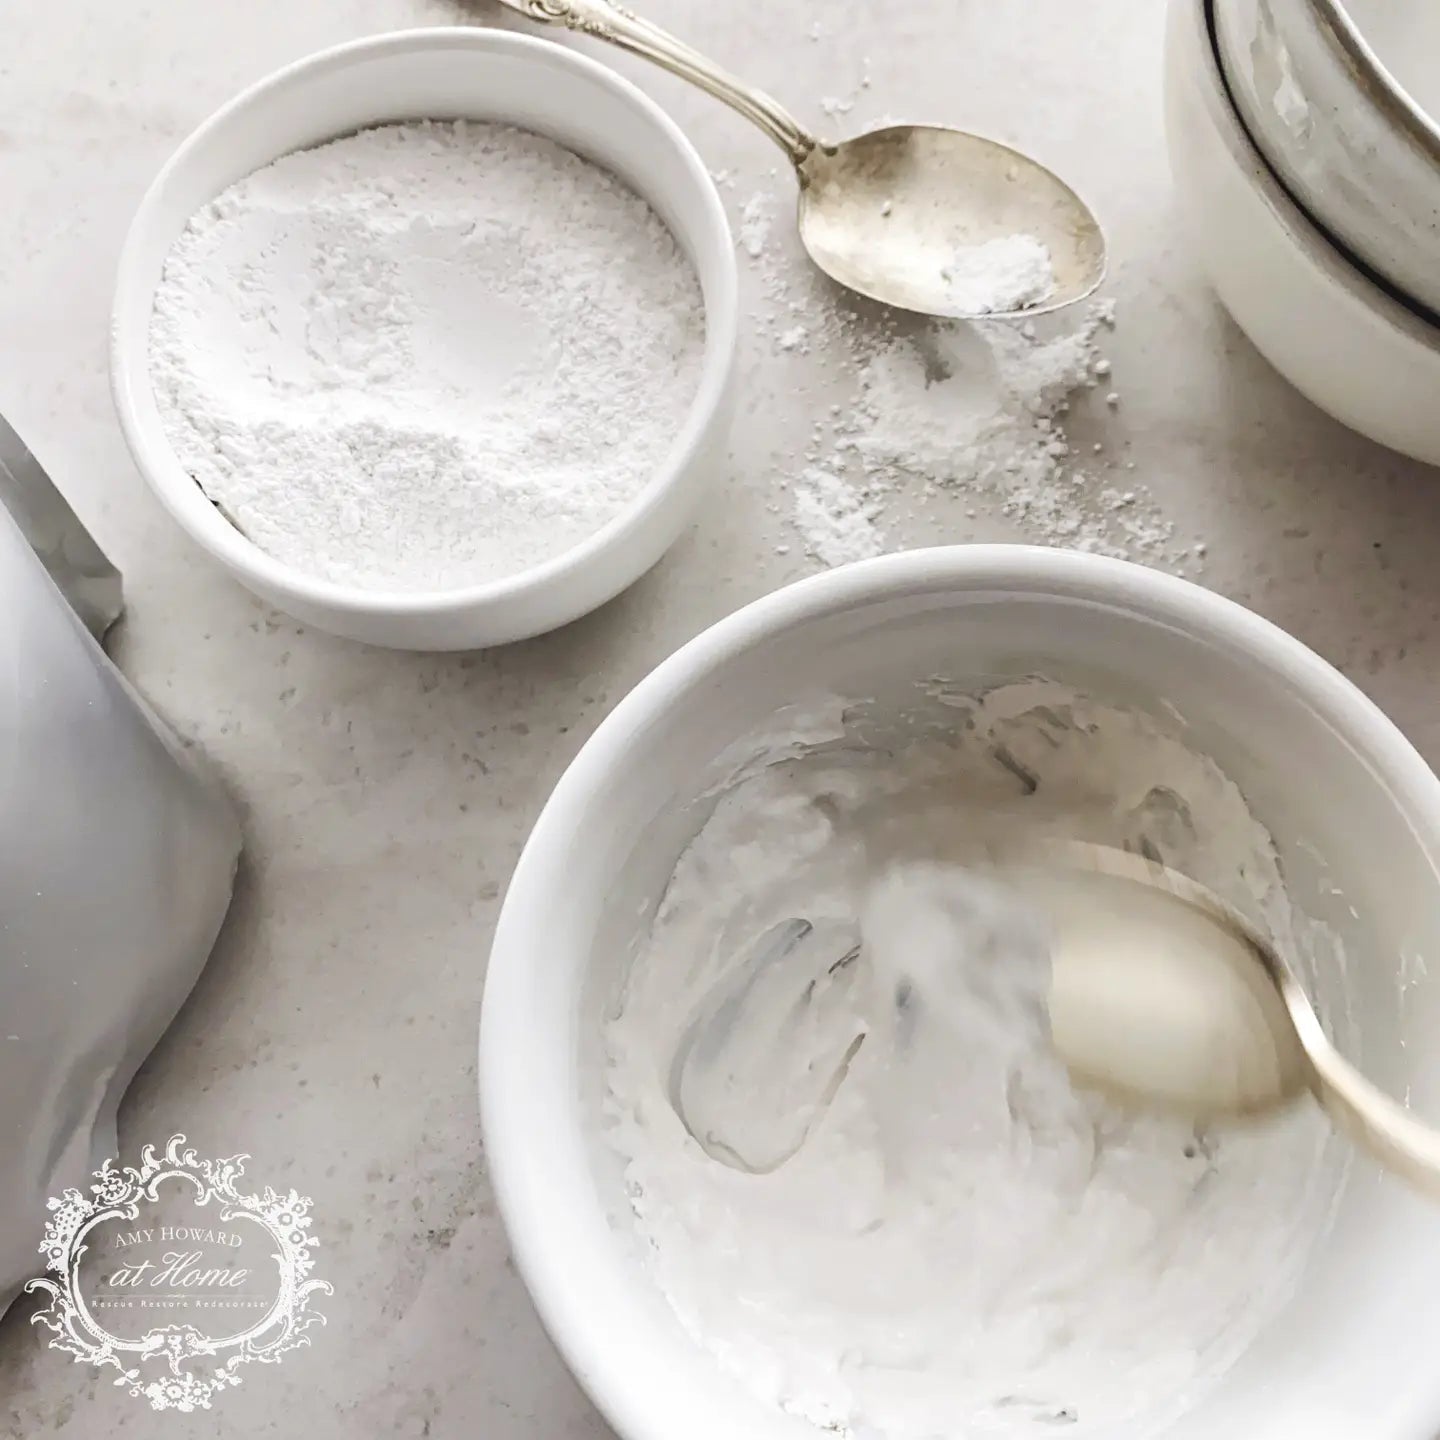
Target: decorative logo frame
{"type": "Point", "coordinates": [197, 1366]}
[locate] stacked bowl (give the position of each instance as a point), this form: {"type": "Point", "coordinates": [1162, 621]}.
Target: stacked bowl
{"type": "Point", "coordinates": [1305, 146]}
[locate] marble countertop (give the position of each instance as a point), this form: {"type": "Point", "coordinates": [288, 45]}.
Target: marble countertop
{"type": "Point", "coordinates": [386, 796]}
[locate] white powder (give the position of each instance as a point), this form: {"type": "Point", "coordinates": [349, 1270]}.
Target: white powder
{"type": "Point", "coordinates": [427, 355]}
{"type": "Point", "coordinates": [944, 1236]}
{"type": "Point", "coordinates": [1011, 272]}
{"type": "Point", "coordinates": [755, 224]}
{"type": "Point", "coordinates": [838, 521]}
{"type": "Point", "coordinates": [974, 413]}
{"type": "Point", "coordinates": [977, 410]}
{"type": "Point", "coordinates": [968, 410]}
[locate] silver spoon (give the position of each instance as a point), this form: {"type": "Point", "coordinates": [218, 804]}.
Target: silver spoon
{"type": "Point", "coordinates": [1162, 991]}
{"type": "Point", "coordinates": [887, 213]}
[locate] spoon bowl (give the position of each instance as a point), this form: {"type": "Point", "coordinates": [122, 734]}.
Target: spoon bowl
{"type": "Point", "coordinates": [1163, 992]}
{"type": "Point", "coordinates": [886, 213]}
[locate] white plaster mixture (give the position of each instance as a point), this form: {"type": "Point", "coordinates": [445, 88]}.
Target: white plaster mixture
{"type": "Point", "coordinates": [427, 355]}
{"type": "Point", "coordinates": [933, 1233]}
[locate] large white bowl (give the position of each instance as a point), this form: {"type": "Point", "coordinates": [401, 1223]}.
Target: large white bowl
{"type": "Point", "coordinates": [1350, 804]}
{"type": "Point", "coordinates": [1354, 146]}
{"type": "Point", "coordinates": [1334, 334]}
{"type": "Point", "coordinates": [442, 74]}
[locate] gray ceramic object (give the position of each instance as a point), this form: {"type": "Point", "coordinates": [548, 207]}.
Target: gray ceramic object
{"type": "Point", "coordinates": [80, 569]}
{"type": "Point", "coordinates": [117, 858]}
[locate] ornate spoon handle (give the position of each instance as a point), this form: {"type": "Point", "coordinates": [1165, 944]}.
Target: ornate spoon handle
{"type": "Point", "coordinates": [617, 26]}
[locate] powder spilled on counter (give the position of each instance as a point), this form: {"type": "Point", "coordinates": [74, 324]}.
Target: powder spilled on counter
{"type": "Point", "coordinates": [975, 412]}
{"type": "Point", "coordinates": [934, 432]}
{"type": "Point", "coordinates": [427, 355]}
{"type": "Point", "coordinates": [755, 221]}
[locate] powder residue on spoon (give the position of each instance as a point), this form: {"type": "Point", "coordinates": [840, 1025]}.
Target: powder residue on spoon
{"type": "Point", "coordinates": [427, 355]}
{"type": "Point", "coordinates": [1006, 274]}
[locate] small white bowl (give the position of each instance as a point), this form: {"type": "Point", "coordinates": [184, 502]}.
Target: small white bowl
{"type": "Point", "coordinates": [1349, 803]}
{"type": "Point", "coordinates": [1351, 144]}
{"type": "Point", "coordinates": [446, 73]}
{"type": "Point", "coordinates": [1335, 335]}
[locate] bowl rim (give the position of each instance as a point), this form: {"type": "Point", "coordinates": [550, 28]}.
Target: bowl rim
{"type": "Point", "coordinates": [523, 1156]}
{"type": "Point", "coordinates": [173, 486]}
{"type": "Point", "coordinates": [1298, 216]}
{"type": "Point", "coordinates": [1359, 282]}
{"type": "Point", "coordinates": [1374, 76]}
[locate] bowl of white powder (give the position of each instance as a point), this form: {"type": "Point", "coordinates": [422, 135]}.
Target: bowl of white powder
{"type": "Point", "coordinates": [917, 1225]}
{"type": "Point", "coordinates": [428, 339]}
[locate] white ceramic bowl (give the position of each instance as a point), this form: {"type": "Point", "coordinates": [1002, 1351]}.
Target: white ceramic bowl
{"type": "Point", "coordinates": [1310, 79]}
{"type": "Point", "coordinates": [1336, 336]}
{"type": "Point", "coordinates": [442, 74]}
{"type": "Point", "coordinates": [1320, 765]}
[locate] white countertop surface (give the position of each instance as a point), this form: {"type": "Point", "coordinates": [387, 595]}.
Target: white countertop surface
{"type": "Point", "coordinates": [386, 796]}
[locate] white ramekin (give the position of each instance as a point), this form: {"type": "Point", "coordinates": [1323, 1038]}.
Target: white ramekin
{"type": "Point", "coordinates": [1337, 337]}
{"type": "Point", "coordinates": [444, 73]}
{"type": "Point", "coordinates": [1350, 803]}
